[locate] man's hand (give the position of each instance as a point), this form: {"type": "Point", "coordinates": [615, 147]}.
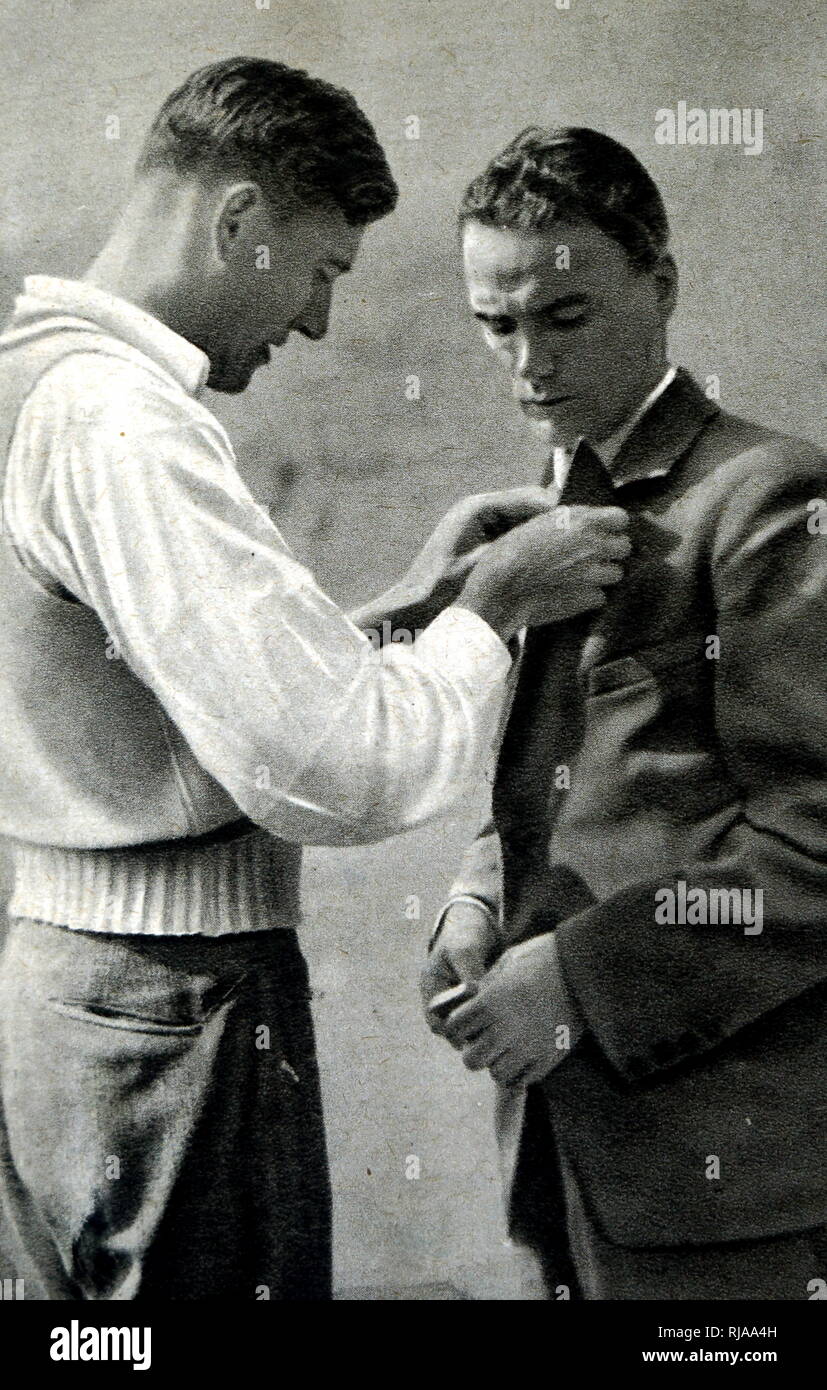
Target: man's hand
{"type": "Point", "coordinates": [550, 568]}
{"type": "Point", "coordinates": [449, 554]}
{"type": "Point", "coordinates": [522, 1020]}
{"type": "Point", "coordinates": [466, 944]}
{"type": "Point", "coordinates": [440, 569]}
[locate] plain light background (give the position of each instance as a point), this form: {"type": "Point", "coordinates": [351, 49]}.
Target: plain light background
{"type": "Point", "coordinates": [356, 474]}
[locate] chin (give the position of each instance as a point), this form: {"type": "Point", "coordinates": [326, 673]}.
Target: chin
{"type": "Point", "coordinates": [542, 429]}
{"type": "Point", "coordinates": [553, 433]}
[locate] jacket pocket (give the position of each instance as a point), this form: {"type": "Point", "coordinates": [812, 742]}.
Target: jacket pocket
{"type": "Point", "coordinates": [658, 663]}
{"type": "Point", "coordinates": [650, 746]}
{"type": "Point", "coordinates": [625, 672]}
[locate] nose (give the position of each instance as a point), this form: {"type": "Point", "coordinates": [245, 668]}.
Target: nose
{"type": "Point", "coordinates": [532, 360]}
{"type": "Point", "coordinates": [314, 319]}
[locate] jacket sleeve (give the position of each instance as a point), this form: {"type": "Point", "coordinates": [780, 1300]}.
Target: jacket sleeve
{"type": "Point", "coordinates": [657, 994]}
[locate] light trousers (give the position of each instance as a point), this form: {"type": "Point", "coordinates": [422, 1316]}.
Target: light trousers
{"type": "Point", "coordinates": [161, 1130]}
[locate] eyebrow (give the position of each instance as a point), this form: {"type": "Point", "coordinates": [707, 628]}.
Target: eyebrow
{"type": "Point", "coordinates": [566, 301]}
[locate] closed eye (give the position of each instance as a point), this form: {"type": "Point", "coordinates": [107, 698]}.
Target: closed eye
{"type": "Point", "coordinates": [501, 327]}
{"type": "Point", "coordinates": [331, 269]}
{"type": "Point", "coordinates": [573, 321]}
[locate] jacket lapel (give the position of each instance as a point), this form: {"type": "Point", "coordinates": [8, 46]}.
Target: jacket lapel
{"type": "Point", "coordinates": [658, 442]}
{"type": "Point", "coordinates": [665, 433]}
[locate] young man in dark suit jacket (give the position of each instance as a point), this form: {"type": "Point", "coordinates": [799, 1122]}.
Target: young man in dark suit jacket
{"type": "Point", "coordinates": [642, 924]}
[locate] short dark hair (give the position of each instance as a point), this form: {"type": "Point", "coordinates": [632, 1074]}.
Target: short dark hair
{"type": "Point", "coordinates": [306, 142]}
{"type": "Point", "coordinates": [576, 173]}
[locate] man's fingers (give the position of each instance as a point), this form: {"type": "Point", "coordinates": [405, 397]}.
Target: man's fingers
{"type": "Point", "coordinates": [614, 547]}
{"type": "Point", "coordinates": [606, 574]}
{"type": "Point", "coordinates": [592, 598]}
{"type": "Point", "coordinates": [464, 563]}
{"type": "Point", "coordinates": [532, 1075]}
{"type": "Point", "coordinates": [483, 1052]}
{"type": "Point", "coordinates": [435, 977]}
{"type": "Point", "coordinates": [512, 1069]}
{"type": "Point", "coordinates": [500, 511]}
{"type": "Point", "coordinates": [527, 1074]}
{"type": "Point", "coordinates": [434, 980]}
{"type": "Point", "coordinates": [468, 962]}
{"type": "Point", "coordinates": [465, 1022]}
{"type": "Point", "coordinates": [609, 518]}
{"type": "Point", "coordinates": [521, 501]}
{"type": "Point", "coordinates": [505, 1069]}
{"type": "Point", "coordinates": [435, 1023]}
{"type": "Point", "coordinates": [439, 1008]}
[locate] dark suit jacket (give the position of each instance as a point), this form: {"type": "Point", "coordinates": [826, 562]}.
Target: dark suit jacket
{"type": "Point", "coordinates": [697, 765]}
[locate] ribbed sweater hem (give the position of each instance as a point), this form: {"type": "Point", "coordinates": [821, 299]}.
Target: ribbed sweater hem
{"type": "Point", "coordinates": [247, 884]}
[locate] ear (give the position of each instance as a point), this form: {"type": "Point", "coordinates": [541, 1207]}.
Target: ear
{"type": "Point", "coordinates": [238, 211]}
{"type": "Point", "coordinates": [666, 284]}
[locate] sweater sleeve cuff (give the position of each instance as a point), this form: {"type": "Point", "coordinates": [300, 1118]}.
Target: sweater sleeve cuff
{"type": "Point", "coordinates": [462, 646]}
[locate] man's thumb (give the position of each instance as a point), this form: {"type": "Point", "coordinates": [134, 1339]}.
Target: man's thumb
{"type": "Point", "coordinates": [469, 962]}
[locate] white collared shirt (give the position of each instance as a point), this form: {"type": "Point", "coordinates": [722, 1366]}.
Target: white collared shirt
{"type": "Point", "coordinates": [125, 488]}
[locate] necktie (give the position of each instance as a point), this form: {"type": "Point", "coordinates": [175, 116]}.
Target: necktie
{"type": "Point", "coordinates": [544, 729]}
{"type": "Point", "coordinates": [587, 482]}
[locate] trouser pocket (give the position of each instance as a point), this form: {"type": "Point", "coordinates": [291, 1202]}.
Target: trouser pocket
{"type": "Point", "coordinates": [173, 1011]}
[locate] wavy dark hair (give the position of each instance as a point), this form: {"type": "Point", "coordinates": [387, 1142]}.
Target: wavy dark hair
{"type": "Point", "coordinates": [304, 141]}
{"type": "Point", "coordinates": [574, 173]}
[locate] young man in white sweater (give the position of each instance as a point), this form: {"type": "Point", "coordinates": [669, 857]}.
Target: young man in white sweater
{"type": "Point", "coordinates": [183, 708]}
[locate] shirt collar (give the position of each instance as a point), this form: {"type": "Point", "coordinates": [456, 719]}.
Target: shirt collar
{"type": "Point", "coordinates": [185, 362]}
